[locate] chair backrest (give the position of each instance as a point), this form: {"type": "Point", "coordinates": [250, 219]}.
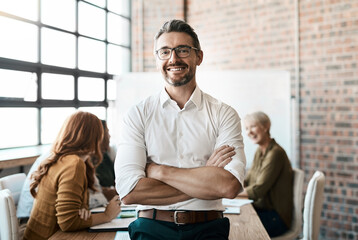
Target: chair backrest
{"type": "Point", "coordinates": [9, 226]}
{"type": "Point", "coordinates": [297, 200]}
{"type": "Point", "coordinates": [313, 206]}
{"type": "Point", "coordinates": [296, 225]}
{"type": "Point", "coordinates": [14, 183]}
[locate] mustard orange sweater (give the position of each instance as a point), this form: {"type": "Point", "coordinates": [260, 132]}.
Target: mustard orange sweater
{"type": "Point", "coordinates": [61, 193]}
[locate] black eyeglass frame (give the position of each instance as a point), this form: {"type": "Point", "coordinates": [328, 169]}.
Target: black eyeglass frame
{"type": "Point", "coordinates": [175, 50]}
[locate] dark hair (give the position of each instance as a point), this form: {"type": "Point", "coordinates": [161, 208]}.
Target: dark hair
{"type": "Point", "coordinates": [178, 26]}
{"type": "Point", "coordinates": [105, 141]}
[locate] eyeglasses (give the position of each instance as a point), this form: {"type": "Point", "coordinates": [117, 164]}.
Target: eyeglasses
{"type": "Point", "coordinates": [181, 52]}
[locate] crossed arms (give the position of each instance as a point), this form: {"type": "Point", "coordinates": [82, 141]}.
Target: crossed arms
{"type": "Point", "coordinates": [165, 185]}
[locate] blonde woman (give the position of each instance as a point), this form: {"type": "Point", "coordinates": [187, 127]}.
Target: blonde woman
{"type": "Point", "coordinates": [269, 182]}
{"type": "Point", "coordinates": [60, 184]}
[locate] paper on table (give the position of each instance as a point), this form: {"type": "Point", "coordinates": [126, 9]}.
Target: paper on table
{"type": "Point", "coordinates": [124, 218]}
{"type": "Point", "coordinates": [236, 202]}
{"type": "Point", "coordinates": [232, 210]}
{"type": "Point", "coordinates": [115, 224]}
{"type": "Point", "coordinates": [122, 235]}
{"type": "Point", "coordinates": [124, 208]}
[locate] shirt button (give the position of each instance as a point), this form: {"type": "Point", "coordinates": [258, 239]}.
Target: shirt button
{"type": "Point", "coordinates": [181, 156]}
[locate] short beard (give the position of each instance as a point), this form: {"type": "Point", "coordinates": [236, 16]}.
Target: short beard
{"type": "Point", "coordinates": [184, 81]}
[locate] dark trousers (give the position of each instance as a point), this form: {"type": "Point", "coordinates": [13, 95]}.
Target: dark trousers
{"type": "Point", "coordinates": [272, 222]}
{"type": "Point", "coordinates": [149, 229]}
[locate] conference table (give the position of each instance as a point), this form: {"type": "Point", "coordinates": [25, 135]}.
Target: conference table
{"type": "Point", "coordinates": [246, 226]}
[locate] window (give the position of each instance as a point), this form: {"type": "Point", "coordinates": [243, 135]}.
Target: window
{"type": "Point", "coordinates": [57, 56]}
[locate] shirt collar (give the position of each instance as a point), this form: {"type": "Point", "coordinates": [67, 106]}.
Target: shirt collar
{"type": "Point", "coordinates": [269, 147]}
{"type": "Point", "coordinates": [164, 98]}
{"type": "Point", "coordinates": [195, 97]}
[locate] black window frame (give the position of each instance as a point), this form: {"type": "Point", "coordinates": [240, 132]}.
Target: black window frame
{"type": "Point", "coordinates": [40, 68]}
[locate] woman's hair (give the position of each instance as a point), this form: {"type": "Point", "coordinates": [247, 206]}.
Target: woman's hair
{"type": "Point", "coordinates": [178, 26]}
{"type": "Point", "coordinates": [260, 118]}
{"type": "Point", "coordinates": [81, 134]}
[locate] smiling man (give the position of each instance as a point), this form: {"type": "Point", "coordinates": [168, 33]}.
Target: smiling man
{"type": "Point", "coordinates": [180, 151]}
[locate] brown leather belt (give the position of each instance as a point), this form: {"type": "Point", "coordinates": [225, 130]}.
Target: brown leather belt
{"type": "Point", "coordinates": [180, 217]}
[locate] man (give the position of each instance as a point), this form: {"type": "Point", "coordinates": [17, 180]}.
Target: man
{"type": "Point", "coordinates": [166, 160]}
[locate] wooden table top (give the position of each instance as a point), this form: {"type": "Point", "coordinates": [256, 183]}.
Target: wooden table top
{"type": "Point", "coordinates": [246, 226]}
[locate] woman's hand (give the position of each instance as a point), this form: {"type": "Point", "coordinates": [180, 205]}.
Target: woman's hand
{"type": "Point", "coordinates": [221, 156]}
{"type": "Point", "coordinates": [113, 208]}
{"type": "Point", "coordinates": [84, 214]}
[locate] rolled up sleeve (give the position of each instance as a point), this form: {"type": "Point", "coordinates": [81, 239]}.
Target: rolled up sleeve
{"type": "Point", "coordinates": [131, 157]}
{"type": "Point", "coordinates": [230, 134]}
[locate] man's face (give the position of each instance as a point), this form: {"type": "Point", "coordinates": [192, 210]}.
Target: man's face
{"type": "Point", "coordinates": [178, 71]}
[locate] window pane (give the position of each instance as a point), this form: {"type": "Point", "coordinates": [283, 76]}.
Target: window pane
{"type": "Point", "coordinates": [19, 127]}
{"type": "Point", "coordinates": [53, 12]}
{"type": "Point", "coordinates": [100, 112]}
{"type": "Point", "coordinates": [18, 84]}
{"type": "Point", "coordinates": [27, 10]}
{"type": "Point", "coordinates": [118, 59]}
{"type": "Point", "coordinates": [90, 89]}
{"type": "Point", "coordinates": [56, 86]}
{"type": "Point", "coordinates": [121, 7]}
{"type": "Point", "coordinates": [100, 3]}
{"type": "Point", "coordinates": [18, 40]}
{"type": "Point", "coordinates": [91, 55]}
{"type": "Point", "coordinates": [111, 90]}
{"type": "Point", "coordinates": [92, 21]}
{"type": "Point", "coordinates": [118, 30]}
{"type": "Point", "coordinates": [58, 48]}
{"type": "Point", "coordinates": [52, 120]}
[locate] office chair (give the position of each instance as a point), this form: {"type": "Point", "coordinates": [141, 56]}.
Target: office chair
{"type": "Point", "coordinates": [313, 206]}
{"type": "Point", "coordinates": [9, 226]}
{"type": "Point", "coordinates": [14, 183]}
{"type": "Point", "coordinates": [296, 225]}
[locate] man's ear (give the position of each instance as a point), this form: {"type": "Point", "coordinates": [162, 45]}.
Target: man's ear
{"type": "Point", "coordinates": [200, 56]}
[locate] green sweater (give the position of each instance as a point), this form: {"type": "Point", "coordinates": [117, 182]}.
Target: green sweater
{"type": "Point", "coordinates": [269, 182]}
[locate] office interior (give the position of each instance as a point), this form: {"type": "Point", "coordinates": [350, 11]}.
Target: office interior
{"type": "Point", "coordinates": [295, 59]}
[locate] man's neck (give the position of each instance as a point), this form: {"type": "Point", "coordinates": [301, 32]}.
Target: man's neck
{"type": "Point", "coordinates": [180, 94]}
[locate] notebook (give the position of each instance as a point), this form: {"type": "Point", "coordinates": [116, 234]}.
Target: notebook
{"type": "Point", "coordinates": [117, 224]}
{"type": "Point", "coordinates": [121, 222]}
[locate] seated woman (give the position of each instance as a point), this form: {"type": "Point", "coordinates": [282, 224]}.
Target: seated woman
{"type": "Point", "coordinates": [104, 180]}
{"type": "Point", "coordinates": [105, 170]}
{"type": "Point", "coordinates": [269, 182]}
{"type": "Point", "coordinates": [60, 185]}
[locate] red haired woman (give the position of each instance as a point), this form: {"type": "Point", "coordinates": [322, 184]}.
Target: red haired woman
{"type": "Point", "coordinates": [60, 184]}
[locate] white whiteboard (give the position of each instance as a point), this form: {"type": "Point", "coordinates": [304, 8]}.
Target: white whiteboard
{"type": "Point", "coordinates": [246, 91]}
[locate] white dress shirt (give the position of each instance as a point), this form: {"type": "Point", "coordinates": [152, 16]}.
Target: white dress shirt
{"type": "Point", "coordinates": [185, 138]}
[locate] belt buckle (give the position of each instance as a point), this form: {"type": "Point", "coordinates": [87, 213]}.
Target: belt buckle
{"type": "Point", "coordinates": [176, 216]}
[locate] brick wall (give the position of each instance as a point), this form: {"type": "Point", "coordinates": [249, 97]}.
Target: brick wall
{"type": "Point", "coordinates": [329, 113]}
{"type": "Point", "coordinates": [147, 18]}
{"type": "Point", "coordinates": [259, 34]}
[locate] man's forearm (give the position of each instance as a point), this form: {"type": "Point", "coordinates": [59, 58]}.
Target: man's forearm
{"type": "Point", "coordinates": [150, 191]}
{"type": "Point", "coordinates": [203, 183]}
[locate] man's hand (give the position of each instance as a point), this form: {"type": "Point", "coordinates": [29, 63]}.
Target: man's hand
{"type": "Point", "coordinates": [221, 156]}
